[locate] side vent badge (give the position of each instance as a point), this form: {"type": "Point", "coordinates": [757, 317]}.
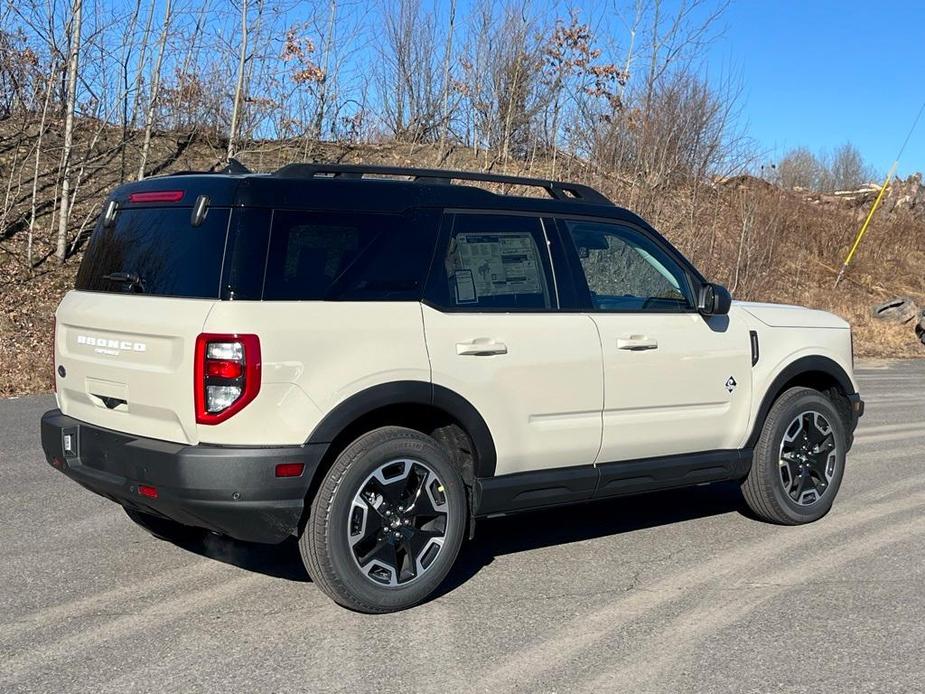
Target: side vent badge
{"type": "Point", "coordinates": [731, 384]}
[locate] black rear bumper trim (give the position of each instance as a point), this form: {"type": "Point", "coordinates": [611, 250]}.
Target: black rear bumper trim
{"type": "Point", "coordinates": [229, 490]}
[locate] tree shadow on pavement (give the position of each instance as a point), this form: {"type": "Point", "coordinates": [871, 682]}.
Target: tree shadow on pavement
{"type": "Point", "coordinates": [507, 535]}
{"type": "Point", "coordinates": [607, 517]}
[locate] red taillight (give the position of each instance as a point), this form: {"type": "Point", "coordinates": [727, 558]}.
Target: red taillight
{"type": "Point", "coordinates": [289, 469]}
{"type": "Point", "coordinates": [148, 491]}
{"type": "Point", "coordinates": [223, 368]}
{"type": "Point", "coordinates": [157, 196]}
{"type": "Point", "coordinates": [226, 375]}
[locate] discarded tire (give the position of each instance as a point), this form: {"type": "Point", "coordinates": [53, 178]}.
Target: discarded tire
{"type": "Point", "coordinates": [896, 311]}
{"type": "Point", "coordinates": [920, 327]}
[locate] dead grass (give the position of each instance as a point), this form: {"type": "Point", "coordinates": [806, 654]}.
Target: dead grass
{"type": "Point", "coordinates": [766, 244]}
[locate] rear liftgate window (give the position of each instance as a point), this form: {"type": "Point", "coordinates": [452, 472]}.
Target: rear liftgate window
{"type": "Point", "coordinates": [334, 256]}
{"type": "Point", "coordinates": [157, 251]}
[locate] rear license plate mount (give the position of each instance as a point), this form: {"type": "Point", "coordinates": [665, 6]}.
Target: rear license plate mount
{"type": "Point", "coordinates": [70, 443]}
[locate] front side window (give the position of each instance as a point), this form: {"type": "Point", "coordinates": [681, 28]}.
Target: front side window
{"type": "Point", "coordinates": [494, 262]}
{"type": "Point", "coordinates": [625, 271]}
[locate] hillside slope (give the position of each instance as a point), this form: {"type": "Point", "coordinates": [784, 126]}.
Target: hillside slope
{"type": "Point", "coordinates": [762, 242]}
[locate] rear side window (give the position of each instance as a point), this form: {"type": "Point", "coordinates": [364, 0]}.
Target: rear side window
{"type": "Point", "coordinates": [157, 251]}
{"type": "Point", "coordinates": [333, 256]}
{"type": "Point", "coordinates": [494, 262]}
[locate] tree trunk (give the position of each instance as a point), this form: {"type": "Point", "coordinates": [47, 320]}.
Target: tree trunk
{"type": "Point", "coordinates": [126, 57]}
{"type": "Point", "coordinates": [155, 86]}
{"type": "Point", "coordinates": [139, 72]}
{"type": "Point", "coordinates": [239, 87]}
{"type": "Point", "coordinates": [71, 99]}
{"type": "Point", "coordinates": [38, 158]}
{"type": "Point", "coordinates": [318, 121]}
{"type": "Point", "coordinates": [447, 58]}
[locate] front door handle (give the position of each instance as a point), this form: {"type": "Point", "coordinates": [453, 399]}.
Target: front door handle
{"type": "Point", "coordinates": [637, 343]}
{"type": "Point", "coordinates": [480, 347]}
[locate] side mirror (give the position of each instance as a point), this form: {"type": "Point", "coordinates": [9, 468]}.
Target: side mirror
{"type": "Point", "coordinates": [714, 300]}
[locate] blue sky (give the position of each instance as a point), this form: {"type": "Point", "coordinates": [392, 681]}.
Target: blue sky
{"type": "Point", "coordinates": [819, 73]}
{"type": "Point", "coordinates": [814, 73]}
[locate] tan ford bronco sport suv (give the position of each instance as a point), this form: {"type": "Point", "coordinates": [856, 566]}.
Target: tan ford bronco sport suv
{"type": "Point", "coordinates": [370, 359]}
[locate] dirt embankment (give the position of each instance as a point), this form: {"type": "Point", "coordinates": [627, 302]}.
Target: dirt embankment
{"type": "Point", "coordinates": [763, 242]}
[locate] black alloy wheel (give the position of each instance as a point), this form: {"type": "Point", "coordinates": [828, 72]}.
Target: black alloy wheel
{"type": "Point", "coordinates": [808, 458]}
{"type": "Point", "coordinates": [398, 522]}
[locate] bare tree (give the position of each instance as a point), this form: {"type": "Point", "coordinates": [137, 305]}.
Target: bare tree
{"type": "Point", "coordinates": [408, 73]}
{"type": "Point", "coordinates": [324, 82]}
{"type": "Point", "coordinates": [38, 158]}
{"type": "Point", "coordinates": [581, 85]}
{"type": "Point", "coordinates": [848, 168]}
{"type": "Point", "coordinates": [139, 70]}
{"type": "Point", "coordinates": [447, 61]}
{"type": "Point", "coordinates": [125, 58]}
{"type": "Point", "coordinates": [70, 104]}
{"type": "Point", "coordinates": [799, 168]}
{"type": "Point", "coordinates": [501, 83]}
{"type": "Point", "coordinates": [155, 86]}
{"type": "Point", "coordinates": [239, 87]}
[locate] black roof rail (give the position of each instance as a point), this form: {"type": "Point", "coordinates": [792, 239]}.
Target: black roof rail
{"type": "Point", "coordinates": [233, 166]}
{"type": "Point", "coordinates": [573, 192]}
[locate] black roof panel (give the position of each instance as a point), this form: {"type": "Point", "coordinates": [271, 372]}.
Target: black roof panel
{"type": "Point", "coordinates": [369, 188]}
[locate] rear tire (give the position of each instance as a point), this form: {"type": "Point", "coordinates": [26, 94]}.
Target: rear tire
{"type": "Point", "coordinates": [386, 523]}
{"type": "Point", "coordinates": [163, 528]}
{"type": "Point", "coordinates": [799, 461]}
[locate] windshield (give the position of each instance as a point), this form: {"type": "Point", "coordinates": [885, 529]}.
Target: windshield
{"type": "Point", "coordinates": [157, 251]}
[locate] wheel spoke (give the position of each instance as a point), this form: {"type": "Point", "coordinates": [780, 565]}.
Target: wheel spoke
{"type": "Point", "coordinates": [409, 567]}
{"type": "Point", "coordinates": [424, 507]}
{"type": "Point", "coordinates": [791, 471]}
{"type": "Point", "coordinates": [391, 492]}
{"type": "Point", "coordinates": [415, 487]}
{"type": "Point", "coordinates": [384, 552]}
{"type": "Point", "coordinates": [807, 428]}
{"type": "Point", "coordinates": [422, 538]}
{"type": "Point", "coordinates": [815, 438]}
{"type": "Point", "coordinates": [820, 479]}
{"type": "Point", "coordinates": [826, 444]}
{"type": "Point", "coordinates": [365, 523]}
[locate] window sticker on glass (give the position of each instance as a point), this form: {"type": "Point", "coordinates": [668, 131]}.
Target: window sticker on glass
{"type": "Point", "coordinates": [499, 263]}
{"type": "Point", "coordinates": [465, 287]}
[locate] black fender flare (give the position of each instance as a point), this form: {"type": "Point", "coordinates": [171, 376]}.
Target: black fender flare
{"type": "Point", "coordinates": [803, 365]}
{"type": "Point", "coordinates": [412, 393]}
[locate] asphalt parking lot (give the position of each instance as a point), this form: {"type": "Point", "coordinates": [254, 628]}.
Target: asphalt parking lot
{"type": "Point", "coordinates": [670, 592]}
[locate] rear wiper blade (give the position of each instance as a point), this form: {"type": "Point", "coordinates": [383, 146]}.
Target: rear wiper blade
{"type": "Point", "coordinates": [130, 278]}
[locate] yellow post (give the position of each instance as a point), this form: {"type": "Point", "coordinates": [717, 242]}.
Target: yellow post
{"type": "Point", "coordinates": [863, 229]}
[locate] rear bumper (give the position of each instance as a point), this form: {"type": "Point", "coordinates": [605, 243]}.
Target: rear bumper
{"type": "Point", "coordinates": [229, 490]}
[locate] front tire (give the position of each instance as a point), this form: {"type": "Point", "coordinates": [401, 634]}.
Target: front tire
{"type": "Point", "coordinates": [387, 522]}
{"type": "Point", "coordinates": [799, 461]}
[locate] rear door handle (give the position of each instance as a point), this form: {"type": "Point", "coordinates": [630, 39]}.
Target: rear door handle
{"type": "Point", "coordinates": [637, 343]}
{"type": "Point", "coordinates": [480, 347]}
